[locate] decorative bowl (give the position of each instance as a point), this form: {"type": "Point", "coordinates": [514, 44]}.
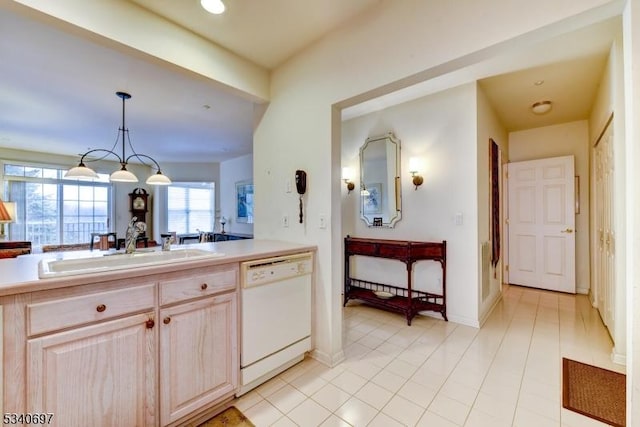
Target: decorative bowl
{"type": "Point", "coordinates": [383, 294]}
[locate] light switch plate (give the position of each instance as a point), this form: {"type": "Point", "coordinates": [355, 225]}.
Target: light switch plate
{"type": "Point", "coordinates": [458, 218]}
{"type": "Point", "coordinates": [285, 221]}
{"type": "Point", "coordinates": [323, 221]}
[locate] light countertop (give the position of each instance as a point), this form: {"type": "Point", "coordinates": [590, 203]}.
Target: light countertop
{"type": "Point", "coordinates": [19, 275]}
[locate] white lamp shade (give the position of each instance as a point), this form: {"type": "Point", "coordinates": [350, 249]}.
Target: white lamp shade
{"type": "Point", "coordinates": [213, 6]}
{"type": "Point", "coordinates": [123, 175]}
{"type": "Point", "coordinates": [415, 165]}
{"type": "Point", "coordinates": [81, 172]}
{"type": "Point", "coordinates": [158, 179]}
{"type": "Point", "coordinates": [347, 174]}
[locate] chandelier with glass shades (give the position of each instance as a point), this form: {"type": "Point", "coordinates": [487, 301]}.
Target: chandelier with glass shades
{"type": "Point", "coordinates": [122, 175]}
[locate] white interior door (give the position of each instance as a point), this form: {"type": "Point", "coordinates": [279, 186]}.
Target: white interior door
{"type": "Point", "coordinates": [542, 224]}
{"type": "Point", "coordinates": [603, 266]}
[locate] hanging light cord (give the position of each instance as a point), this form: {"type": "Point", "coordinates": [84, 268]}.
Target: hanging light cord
{"type": "Point", "coordinates": [123, 160]}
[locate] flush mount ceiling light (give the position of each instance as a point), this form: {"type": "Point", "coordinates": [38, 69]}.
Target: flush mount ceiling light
{"type": "Point", "coordinates": [123, 175]}
{"type": "Point", "coordinates": [213, 6]}
{"type": "Point", "coordinates": [541, 107]}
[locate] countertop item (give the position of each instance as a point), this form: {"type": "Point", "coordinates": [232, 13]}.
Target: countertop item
{"type": "Point", "coordinates": [18, 275]}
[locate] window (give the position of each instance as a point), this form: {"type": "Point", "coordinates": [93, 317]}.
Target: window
{"type": "Point", "coordinates": [190, 207]}
{"type": "Point", "coordinates": [52, 210]}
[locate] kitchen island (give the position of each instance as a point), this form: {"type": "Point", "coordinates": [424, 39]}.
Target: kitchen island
{"type": "Point", "coordinates": [147, 345]}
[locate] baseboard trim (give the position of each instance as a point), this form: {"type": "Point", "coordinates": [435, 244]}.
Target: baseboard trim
{"type": "Point", "coordinates": [618, 358]}
{"type": "Point", "coordinates": [487, 313]}
{"type": "Point", "coordinates": [474, 323]}
{"type": "Point", "coordinates": [327, 359]}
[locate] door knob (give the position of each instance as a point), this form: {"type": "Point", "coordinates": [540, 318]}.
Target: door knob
{"type": "Point", "coordinates": [568, 230]}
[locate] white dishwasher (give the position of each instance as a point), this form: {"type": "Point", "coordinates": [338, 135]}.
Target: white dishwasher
{"type": "Point", "coordinates": [276, 316]}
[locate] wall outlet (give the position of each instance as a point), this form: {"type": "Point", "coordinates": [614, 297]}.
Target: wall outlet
{"type": "Point", "coordinates": [285, 221]}
{"type": "Point", "coordinates": [287, 186]}
{"type": "Point", "coordinates": [323, 221]}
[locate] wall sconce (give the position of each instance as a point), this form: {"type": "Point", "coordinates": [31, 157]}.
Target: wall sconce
{"type": "Point", "coordinates": [414, 168]}
{"type": "Point", "coordinates": [347, 177]}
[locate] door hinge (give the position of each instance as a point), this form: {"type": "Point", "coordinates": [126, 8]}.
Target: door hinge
{"type": "Point", "coordinates": [506, 267]}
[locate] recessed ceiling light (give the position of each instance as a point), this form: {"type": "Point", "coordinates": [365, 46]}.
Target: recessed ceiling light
{"type": "Point", "coordinates": [213, 6]}
{"type": "Point", "coordinates": [206, 106]}
{"type": "Point", "coordinates": [538, 82]}
{"type": "Point", "coordinates": [541, 107]}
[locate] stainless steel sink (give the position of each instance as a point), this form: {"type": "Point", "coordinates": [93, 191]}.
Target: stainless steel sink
{"type": "Point", "coordinates": [48, 268]}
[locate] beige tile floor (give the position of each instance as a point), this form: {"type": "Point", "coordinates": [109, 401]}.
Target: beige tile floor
{"type": "Point", "coordinates": [436, 373]}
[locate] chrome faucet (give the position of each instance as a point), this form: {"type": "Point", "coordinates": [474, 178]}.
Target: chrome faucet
{"type": "Point", "coordinates": [134, 229]}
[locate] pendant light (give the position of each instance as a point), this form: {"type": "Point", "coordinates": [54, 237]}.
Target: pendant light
{"type": "Point", "coordinates": [122, 175]}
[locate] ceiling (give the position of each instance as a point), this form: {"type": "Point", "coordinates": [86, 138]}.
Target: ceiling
{"type": "Point", "coordinates": [57, 91]}
{"type": "Point", "coordinates": [267, 32]}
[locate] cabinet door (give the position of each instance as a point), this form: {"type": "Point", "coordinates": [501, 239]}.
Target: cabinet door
{"type": "Point", "coordinates": [99, 375]}
{"type": "Point", "coordinates": [198, 355]}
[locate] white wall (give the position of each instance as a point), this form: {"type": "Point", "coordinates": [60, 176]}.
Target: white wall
{"type": "Point", "coordinates": [232, 171]}
{"type": "Point", "coordinates": [440, 129]}
{"type": "Point", "coordinates": [489, 127]}
{"type": "Point", "coordinates": [610, 100]}
{"type": "Point", "coordinates": [631, 132]}
{"type": "Point", "coordinates": [300, 127]}
{"type": "Point", "coordinates": [563, 140]}
{"type": "Point", "coordinates": [396, 44]}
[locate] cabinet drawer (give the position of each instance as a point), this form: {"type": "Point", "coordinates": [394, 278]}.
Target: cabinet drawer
{"type": "Point", "coordinates": [66, 312]}
{"type": "Point", "coordinates": [199, 285]}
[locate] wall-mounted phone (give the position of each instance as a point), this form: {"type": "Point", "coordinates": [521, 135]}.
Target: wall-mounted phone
{"type": "Point", "coordinates": [301, 181]}
{"type": "Point", "coordinates": [301, 186]}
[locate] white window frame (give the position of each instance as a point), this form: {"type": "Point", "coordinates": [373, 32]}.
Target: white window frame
{"type": "Point", "coordinates": [59, 182]}
{"type": "Point", "coordinates": [193, 185]}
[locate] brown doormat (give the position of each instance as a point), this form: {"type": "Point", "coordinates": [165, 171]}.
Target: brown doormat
{"type": "Point", "coordinates": [231, 417]}
{"type": "Point", "coordinates": [595, 392]}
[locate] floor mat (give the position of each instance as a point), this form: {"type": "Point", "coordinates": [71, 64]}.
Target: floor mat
{"type": "Point", "coordinates": [595, 392]}
{"type": "Point", "coordinates": [231, 417]}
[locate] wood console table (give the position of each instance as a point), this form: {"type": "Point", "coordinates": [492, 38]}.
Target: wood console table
{"type": "Point", "coordinates": [403, 300]}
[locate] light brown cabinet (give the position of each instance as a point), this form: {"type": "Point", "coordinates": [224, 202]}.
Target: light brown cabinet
{"type": "Point", "coordinates": [198, 354]}
{"type": "Point", "coordinates": [154, 350]}
{"type": "Point", "coordinates": [199, 359]}
{"type": "Point", "coordinates": [95, 375]}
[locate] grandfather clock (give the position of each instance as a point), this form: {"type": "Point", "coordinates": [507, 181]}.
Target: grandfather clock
{"type": "Point", "coordinates": [138, 204]}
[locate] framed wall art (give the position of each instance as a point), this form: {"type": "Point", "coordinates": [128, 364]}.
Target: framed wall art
{"type": "Point", "coordinates": [244, 202]}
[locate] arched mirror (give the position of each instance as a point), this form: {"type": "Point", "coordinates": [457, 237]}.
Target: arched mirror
{"type": "Point", "coordinates": [380, 181]}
